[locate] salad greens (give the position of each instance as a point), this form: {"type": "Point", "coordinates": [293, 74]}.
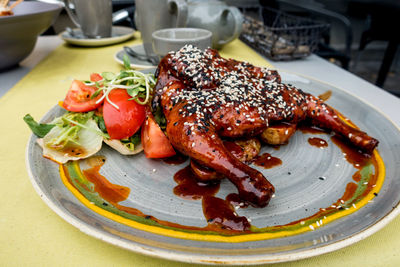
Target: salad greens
{"type": "Point", "coordinates": [76, 135]}
{"type": "Point", "coordinates": [137, 84]}
{"type": "Point", "coordinates": [70, 124]}
{"type": "Point", "coordinates": [160, 117]}
{"type": "Point", "coordinates": [68, 141]}
{"type": "Point", "coordinates": [39, 129]}
{"type": "Point", "coordinates": [132, 142]}
{"type": "Point", "coordinates": [127, 63]}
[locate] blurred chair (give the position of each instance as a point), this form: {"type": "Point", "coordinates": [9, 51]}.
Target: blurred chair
{"type": "Point", "coordinates": [382, 25]}
{"type": "Point", "coordinates": [318, 11]}
{"type": "Point", "coordinates": [124, 12]}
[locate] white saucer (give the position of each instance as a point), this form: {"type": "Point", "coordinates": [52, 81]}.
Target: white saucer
{"type": "Point", "coordinates": [135, 62]}
{"type": "Point", "coordinates": [118, 35]}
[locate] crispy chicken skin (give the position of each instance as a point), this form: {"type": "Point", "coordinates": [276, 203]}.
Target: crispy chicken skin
{"type": "Point", "coordinates": [206, 97]}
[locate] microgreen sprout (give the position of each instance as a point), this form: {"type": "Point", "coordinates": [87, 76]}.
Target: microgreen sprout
{"type": "Point", "coordinates": [137, 84]}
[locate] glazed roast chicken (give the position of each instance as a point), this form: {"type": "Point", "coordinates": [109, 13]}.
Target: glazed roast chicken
{"type": "Point", "coordinates": [206, 98]}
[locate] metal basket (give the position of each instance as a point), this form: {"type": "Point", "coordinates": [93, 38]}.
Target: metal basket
{"type": "Point", "coordinates": [283, 36]}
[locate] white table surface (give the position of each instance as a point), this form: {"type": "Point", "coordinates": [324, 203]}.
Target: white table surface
{"type": "Point", "coordinates": [312, 66]}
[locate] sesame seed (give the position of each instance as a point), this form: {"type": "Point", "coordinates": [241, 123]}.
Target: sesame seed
{"type": "Point", "coordinates": [213, 85]}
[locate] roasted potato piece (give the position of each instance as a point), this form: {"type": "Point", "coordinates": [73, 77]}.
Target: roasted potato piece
{"type": "Point", "coordinates": [278, 134]}
{"type": "Point", "coordinates": [247, 149]}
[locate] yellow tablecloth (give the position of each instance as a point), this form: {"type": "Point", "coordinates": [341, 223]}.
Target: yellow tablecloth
{"type": "Point", "coordinates": [33, 235]}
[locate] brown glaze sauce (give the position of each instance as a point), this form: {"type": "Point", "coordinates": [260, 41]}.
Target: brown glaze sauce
{"type": "Point", "coordinates": [347, 120]}
{"type": "Point", "coordinates": [357, 176]}
{"type": "Point", "coordinates": [267, 161]}
{"type": "Point", "coordinates": [325, 96]}
{"type": "Point", "coordinates": [355, 157]}
{"type": "Point", "coordinates": [95, 161]}
{"type": "Point", "coordinates": [189, 188]}
{"type": "Point", "coordinates": [177, 159]}
{"type": "Point", "coordinates": [318, 142]}
{"type": "Point", "coordinates": [74, 151]}
{"type": "Point", "coordinates": [203, 173]}
{"type": "Point", "coordinates": [349, 192]}
{"type": "Point", "coordinates": [111, 192]}
{"type": "Point", "coordinates": [304, 128]}
{"type": "Point", "coordinates": [221, 213]}
{"type": "Point", "coordinates": [358, 160]}
{"type": "Point", "coordinates": [276, 147]}
{"type": "Point", "coordinates": [220, 216]}
{"type": "Point", "coordinates": [218, 212]}
{"type": "Point", "coordinates": [236, 201]}
{"type": "Point", "coordinates": [235, 149]}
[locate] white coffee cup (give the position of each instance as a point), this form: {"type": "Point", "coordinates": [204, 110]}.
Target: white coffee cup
{"type": "Point", "coordinates": [94, 17]}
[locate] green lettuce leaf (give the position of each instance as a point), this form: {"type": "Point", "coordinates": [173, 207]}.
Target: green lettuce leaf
{"type": "Point", "coordinates": [39, 129]}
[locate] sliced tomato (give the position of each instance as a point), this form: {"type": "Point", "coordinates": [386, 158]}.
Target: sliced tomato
{"type": "Point", "coordinates": [155, 143]}
{"type": "Point", "coordinates": [123, 122]}
{"type": "Point", "coordinates": [79, 97]}
{"type": "Point", "coordinates": [95, 77]}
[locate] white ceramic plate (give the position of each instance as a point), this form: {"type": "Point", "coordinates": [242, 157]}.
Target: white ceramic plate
{"type": "Point", "coordinates": [298, 195]}
{"type": "Point", "coordinates": [118, 35]}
